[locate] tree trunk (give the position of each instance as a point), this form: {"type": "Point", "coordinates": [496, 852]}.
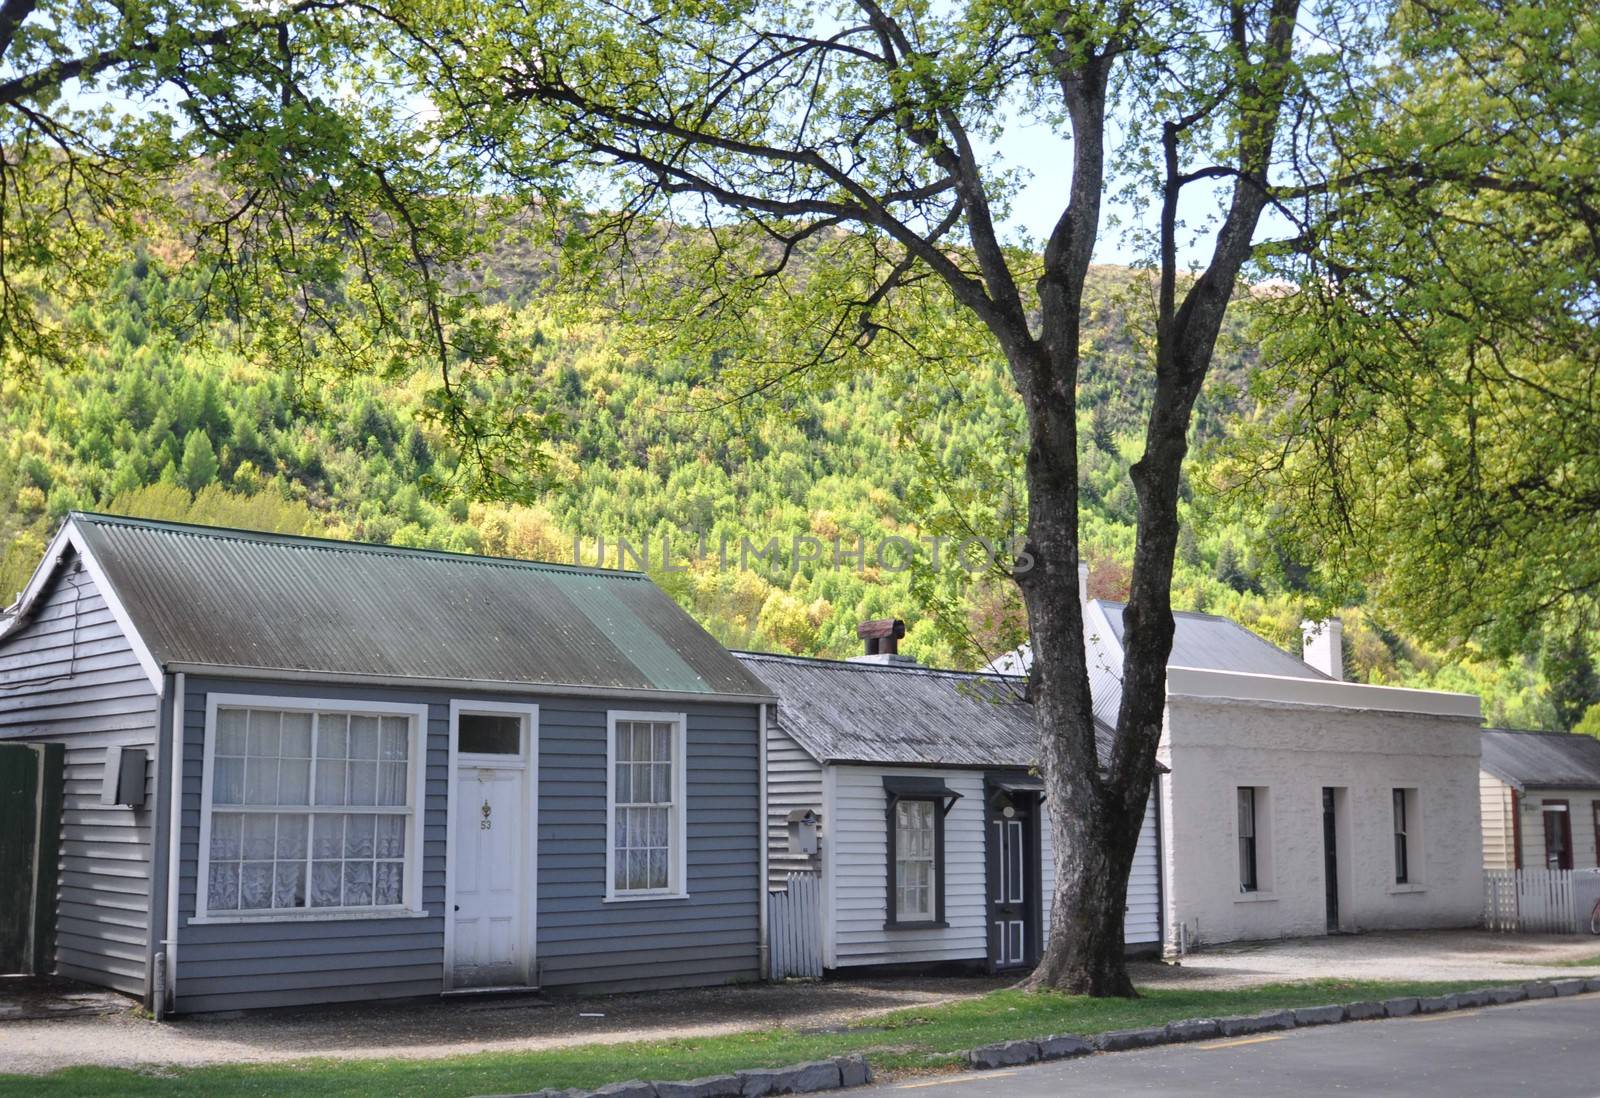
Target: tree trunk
{"type": "Point", "coordinates": [1085, 953]}
{"type": "Point", "coordinates": [1093, 831]}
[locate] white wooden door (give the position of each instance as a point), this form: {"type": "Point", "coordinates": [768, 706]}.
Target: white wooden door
{"type": "Point", "coordinates": [490, 826]}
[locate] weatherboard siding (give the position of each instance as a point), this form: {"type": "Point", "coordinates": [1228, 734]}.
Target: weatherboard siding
{"type": "Point", "coordinates": [1143, 921]}
{"type": "Point", "coordinates": [1580, 808]}
{"type": "Point", "coordinates": [860, 875]}
{"type": "Point", "coordinates": [794, 781]}
{"type": "Point", "coordinates": [69, 676]}
{"type": "Point", "coordinates": [860, 850]}
{"type": "Point", "coordinates": [581, 942]}
{"type": "Point", "coordinates": [1499, 836]}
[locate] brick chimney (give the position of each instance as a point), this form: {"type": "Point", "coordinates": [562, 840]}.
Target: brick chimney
{"type": "Point", "coordinates": [1324, 646]}
{"type": "Point", "coordinates": [883, 642]}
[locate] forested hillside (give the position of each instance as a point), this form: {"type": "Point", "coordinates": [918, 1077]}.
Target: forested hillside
{"type": "Point", "coordinates": [160, 428]}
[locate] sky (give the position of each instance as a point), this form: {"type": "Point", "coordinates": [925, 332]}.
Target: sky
{"type": "Point", "coordinates": [1047, 159]}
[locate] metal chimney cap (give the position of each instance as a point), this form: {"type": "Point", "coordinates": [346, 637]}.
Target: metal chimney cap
{"type": "Point", "coordinates": [881, 629]}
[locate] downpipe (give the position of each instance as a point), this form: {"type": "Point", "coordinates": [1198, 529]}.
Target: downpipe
{"type": "Point", "coordinates": [159, 982]}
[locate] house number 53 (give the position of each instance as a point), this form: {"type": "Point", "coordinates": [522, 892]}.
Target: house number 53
{"type": "Point", "coordinates": [484, 823]}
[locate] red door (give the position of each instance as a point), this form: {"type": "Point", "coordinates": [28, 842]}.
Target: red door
{"type": "Point", "coordinates": [1557, 835]}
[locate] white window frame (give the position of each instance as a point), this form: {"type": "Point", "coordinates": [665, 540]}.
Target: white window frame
{"type": "Point", "coordinates": [678, 846]}
{"type": "Point", "coordinates": [416, 786]}
{"type": "Point", "coordinates": [932, 914]}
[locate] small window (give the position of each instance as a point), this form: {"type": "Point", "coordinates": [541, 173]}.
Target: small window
{"type": "Point", "coordinates": [916, 864]}
{"type": "Point", "coordinates": [1249, 877]}
{"type": "Point", "coordinates": [488, 734]}
{"type": "Point", "coordinates": [1402, 840]}
{"type": "Point", "coordinates": [916, 807]}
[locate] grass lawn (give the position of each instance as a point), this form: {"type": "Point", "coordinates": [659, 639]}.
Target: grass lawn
{"type": "Point", "coordinates": [922, 1039]}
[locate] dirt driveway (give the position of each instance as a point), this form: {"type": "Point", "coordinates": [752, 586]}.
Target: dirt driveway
{"type": "Point", "coordinates": [436, 1028]}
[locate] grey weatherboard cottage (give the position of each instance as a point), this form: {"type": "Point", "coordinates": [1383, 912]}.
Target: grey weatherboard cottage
{"type": "Point", "coordinates": [400, 772]}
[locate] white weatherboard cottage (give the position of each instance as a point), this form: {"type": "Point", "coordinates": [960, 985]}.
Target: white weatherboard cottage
{"type": "Point", "coordinates": [1296, 803]}
{"type": "Point", "coordinates": [1541, 800]}
{"type": "Point", "coordinates": [931, 838]}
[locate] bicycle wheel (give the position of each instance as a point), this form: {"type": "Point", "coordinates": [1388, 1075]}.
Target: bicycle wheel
{"type": "Point", "coordinates": [1594, 919]}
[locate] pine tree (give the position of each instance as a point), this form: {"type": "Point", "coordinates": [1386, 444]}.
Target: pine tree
{"type": "Point", "coordinates": [199, 466]}
{"type": "Point", "coordinates": [1229, 570]}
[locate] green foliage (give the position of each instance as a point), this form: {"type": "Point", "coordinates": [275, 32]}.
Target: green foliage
{"type": "Point", "coordinates": [1590, 724]}
{"type": "Point", "coordinates": [1427, 434]}
{"type": "Point", "coordinates": [862, 461]}
{"type": "Point", "coordinates": [199, 466]}
{"type": "Point", "coordinates": [1568, 666]}
{"type": "Point", "coordinates": [223, 136]}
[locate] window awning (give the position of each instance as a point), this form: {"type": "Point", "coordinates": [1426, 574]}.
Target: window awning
{"type": "Point", "coordinates": [900, 787]}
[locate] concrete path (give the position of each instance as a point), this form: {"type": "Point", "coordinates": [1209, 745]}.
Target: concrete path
{"type": "Point", "coordinates": [1541, 1049]}
{"type": "Point", "coordinates": [1476, 955]}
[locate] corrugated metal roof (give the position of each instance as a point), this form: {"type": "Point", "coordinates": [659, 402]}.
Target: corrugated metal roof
{"type": "Point", "coordinates": [1205, 641]}
{"type": "Point", "coordinates": [1219, 644]}
{"type": "Point", "coordinates": [1198, 640]}
{"type": "Point", "coordinates": [201, 595]}
{"type": "Point", "coordinates": [1542, 760]}
{"type": "Point", "coordinates": [840, 711]}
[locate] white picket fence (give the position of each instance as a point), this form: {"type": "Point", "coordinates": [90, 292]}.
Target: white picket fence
{"type": "Point", "coordinates": [794, 927]}
{"type": "Point", "coordinates": [1532, 901]}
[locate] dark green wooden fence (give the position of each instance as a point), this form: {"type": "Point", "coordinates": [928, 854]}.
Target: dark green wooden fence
{"type": "Point", "coordinates": [30, 835]}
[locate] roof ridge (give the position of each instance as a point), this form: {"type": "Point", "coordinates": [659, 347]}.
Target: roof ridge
{"type": "Point", "coordinates": [1239, 626]}
{"type": "Point", "coordinates": [852, 665]}
{"type": "Point", "coordinates": [1541, 732]}
{"type": "Point", "coordinates": [307, 541]}
{"type": "Point", "coordinates": [1182, 614]}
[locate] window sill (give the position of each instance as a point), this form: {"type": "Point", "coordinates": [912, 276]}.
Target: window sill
{"type": "Point", "coordinates": [643, 897]}
{"type": "Point", "coordinates": [926, 924]}
{"type": "Point", "coordinates": [1256, 898]}
{"type": "Point", "coordinates": [306, 917]}
{"type": "Point", "coordinates": [1402, 889]}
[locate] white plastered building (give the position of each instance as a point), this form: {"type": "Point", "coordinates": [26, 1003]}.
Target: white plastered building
{"type": "Point", "coordinates": [1295, 803]}
{"type": "Point", "coordinates": [1299, 804]}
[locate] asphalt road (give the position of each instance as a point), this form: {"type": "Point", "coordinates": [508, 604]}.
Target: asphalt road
{"type": "Point", "coordinates": [1549, 1048]}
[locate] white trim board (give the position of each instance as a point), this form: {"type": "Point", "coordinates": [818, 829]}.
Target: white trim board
{"type": "Point", "coordinates": [178, 746]}
{"type": "Point", "coordinates": [417, 803]}
{"type": "Point", "coordinates": [528, 762]}
{"type": "Point", "coordinates": [1201, 684]}
{"type": "Point", "coordinates": [487, 686]}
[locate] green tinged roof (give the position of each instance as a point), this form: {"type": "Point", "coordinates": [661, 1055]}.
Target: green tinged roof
{"type": "Point", "coordinates": [211, 597]}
